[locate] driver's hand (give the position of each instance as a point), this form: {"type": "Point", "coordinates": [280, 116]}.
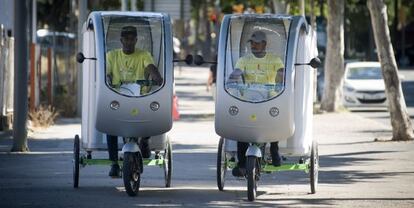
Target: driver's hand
{"type": "Point", "coordinates": [109, 80]}
{"type": "Point", "coordinates": [236, 75]}
{"type": "Point", "coordinates": [152, 72]}
{"type": "Point", "coordinates": [156, 77]}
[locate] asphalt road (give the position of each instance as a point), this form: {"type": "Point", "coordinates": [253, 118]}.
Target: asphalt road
{"type": "Point", "coordinates": [355, 171]}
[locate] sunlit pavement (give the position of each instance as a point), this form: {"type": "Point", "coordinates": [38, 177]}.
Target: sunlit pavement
{"type": "Point", "coordinates": [355, 171]}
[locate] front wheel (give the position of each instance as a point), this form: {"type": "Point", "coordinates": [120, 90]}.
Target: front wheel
{"type": "Point", "coordinates": [75, 161]}
{"type": "Point", "coordinates": [131, 172]}
{"type": "Point", "coordinates": [314, 166]}
{"type": "Point", "coordinates": [168, 164]}
{"type": "Point", "coordinates": [252, 172]}
{"type": "Point", "coordinates": [221, 164]}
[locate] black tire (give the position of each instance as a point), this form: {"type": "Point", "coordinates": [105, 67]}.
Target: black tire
{"type": "Point", "coordinates": [168, 164]}
{"type": "Point", "coordinates": [251, 168]}
{"type": "Point", "coordinates": [75, 161]}
{"type": "Point", "coordinates": [221, 165]}
{"type": "Point", "coordinates": [314, 167]}
{"type": "Point", "coordinates": [131, 172]}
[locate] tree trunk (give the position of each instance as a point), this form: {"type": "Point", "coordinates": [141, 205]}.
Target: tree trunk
{"type": "Point", "coordinates": [20, 78]}
{"type": "Point", "coordinates": [400, 121]}
{"type": "Point", "coordinates": [280, 7]}
{"type": "Point", "coordinates": [334, 62]}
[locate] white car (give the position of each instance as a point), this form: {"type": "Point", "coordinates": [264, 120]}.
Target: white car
{"type": "Point", "coordinates": [364, 85]}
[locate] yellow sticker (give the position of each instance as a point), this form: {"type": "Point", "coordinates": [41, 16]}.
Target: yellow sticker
{"type": "Point", "coordinates": [253, 117]}
{"type": "Point", "coordinates": [134, 112]}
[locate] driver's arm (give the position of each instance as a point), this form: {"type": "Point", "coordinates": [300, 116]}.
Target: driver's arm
{"type": "Point", "coordinates": [112, 73]}
{"type": "Point", "coordinates": [152, 71]}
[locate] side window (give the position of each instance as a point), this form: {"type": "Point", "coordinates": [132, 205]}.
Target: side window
{"type": "Point", "coordinates": [255, 64]}
{"type": "Point", "coordinates": [134, 58]}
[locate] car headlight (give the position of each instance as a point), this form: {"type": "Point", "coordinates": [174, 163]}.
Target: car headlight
{"type": "Point", "coordinates": [349, 89]}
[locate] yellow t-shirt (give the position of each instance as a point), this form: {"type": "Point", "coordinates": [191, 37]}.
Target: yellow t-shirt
{"type": "Point", "coordinates": [259, 70]}
{"type": "Point", "coordinates": [127, 68]}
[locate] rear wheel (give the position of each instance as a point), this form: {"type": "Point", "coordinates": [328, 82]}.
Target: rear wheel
{"type": "Point", "coordinates": [221, 165]}
{"type": "Point", "coordinates": [131, 172]}
{"type": "Point", "coordinates": [252, 169]}
{"type": "Point", "coordinates": [75, 161]}
{"type": "Point", "coordinates": [168, 164]}
{"type": "Point", "coordinates": [314, 167]}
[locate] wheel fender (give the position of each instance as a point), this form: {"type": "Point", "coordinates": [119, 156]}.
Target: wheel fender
{"type": "Point", "coordinates": [254, 150]}
{"type": "Point", "coordinates": [130, 147]}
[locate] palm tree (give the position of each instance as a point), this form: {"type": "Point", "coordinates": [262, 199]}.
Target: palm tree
{"type": "Point", "coordinates": [400, 120]}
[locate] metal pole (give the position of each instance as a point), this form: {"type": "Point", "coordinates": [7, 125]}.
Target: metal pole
{"type": "Point", "coordinates": [83, 7]}
{"type": "Point", "coordinates": [34, 21]}
{"type": "Point", "coordinates": [20, 79]}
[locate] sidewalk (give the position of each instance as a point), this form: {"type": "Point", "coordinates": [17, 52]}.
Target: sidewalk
{"type": "Point", "coordinates": [190, 87]}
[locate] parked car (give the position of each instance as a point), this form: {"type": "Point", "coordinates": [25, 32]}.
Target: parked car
{"type": "Point", "coordinates": [364, 85]}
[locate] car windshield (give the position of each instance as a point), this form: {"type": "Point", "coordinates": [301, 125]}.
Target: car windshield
{"type": "Point", "coordinates": [364, 73]}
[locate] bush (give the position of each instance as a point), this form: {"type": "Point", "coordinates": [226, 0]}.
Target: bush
{"type": "Point", "coordinates": [43, 117]}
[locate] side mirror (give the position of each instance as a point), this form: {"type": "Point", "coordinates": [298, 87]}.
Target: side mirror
{"type": "Point", "coordinates": [80, 58]}
{"type": "Point", "coordinates": [314, 63]}
{"type": "Point", "coordinates": [188, 60]}
{"type": "Point", "coordinates": [199, 60]}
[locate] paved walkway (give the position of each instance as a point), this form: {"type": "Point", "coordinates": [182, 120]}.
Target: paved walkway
{"type": "Point", "coordinates": [355, 170]}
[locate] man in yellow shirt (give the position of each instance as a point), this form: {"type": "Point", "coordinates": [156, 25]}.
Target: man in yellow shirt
{"type": "Point", "coordinates": [259, 67]}
{"type": "Point", "coordinates": [125, 66]}
{"type": "Point", "coordinates": [129, 64]}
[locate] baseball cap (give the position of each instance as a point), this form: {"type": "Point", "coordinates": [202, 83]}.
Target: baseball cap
{"type": "Point", "coordinates": [129, 30]}
{"type": "Point", "coordinates": [258, 36]}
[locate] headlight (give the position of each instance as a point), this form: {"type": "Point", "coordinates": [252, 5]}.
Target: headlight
{"type": "Point", "coordinates": [154, 106]}
{"type": "Point", "coordinates": [349, 89]}
{"type": "Point", "coordinates": [233, 110]}
{"type": "Point", "coordinates": [274, 111]}
{"type": "Point", "coordinates": [114, 105]}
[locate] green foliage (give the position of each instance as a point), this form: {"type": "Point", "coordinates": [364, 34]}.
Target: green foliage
{"type": "Point", "coordinates": [54, 14]}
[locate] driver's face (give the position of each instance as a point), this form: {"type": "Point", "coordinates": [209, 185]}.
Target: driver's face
{"type": "Point", "coordinates": [257, 47]}
{"type": "Point", "coordinates": [128, 43]}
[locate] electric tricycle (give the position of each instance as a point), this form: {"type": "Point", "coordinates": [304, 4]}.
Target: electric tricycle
{"type": "Point", "coordinates": [265, 72]}
{"type": "Point", "coordinates": [127, 91]}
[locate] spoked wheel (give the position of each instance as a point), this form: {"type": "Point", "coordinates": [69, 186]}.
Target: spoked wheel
{"type": "Point", "coordinates": [314, 167]}
{"type": "Point", "coordinates": [75, 161]}
{"type": "Point", "coordinates": [252, 171]}
{"type": "Point", "coordinates": [131, 172]}
{"type": "Point", "coordinates": [168, 164]}
{"type": "Point", "coordinates": [221, 164]}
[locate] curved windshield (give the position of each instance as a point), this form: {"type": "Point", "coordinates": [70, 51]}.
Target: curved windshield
{"type": "Point", "coordinates": [364, 73]}
{"type": "Point", "coordinates": [134, 62]}
{"type": "Point", "coordinates": [255, 58]}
